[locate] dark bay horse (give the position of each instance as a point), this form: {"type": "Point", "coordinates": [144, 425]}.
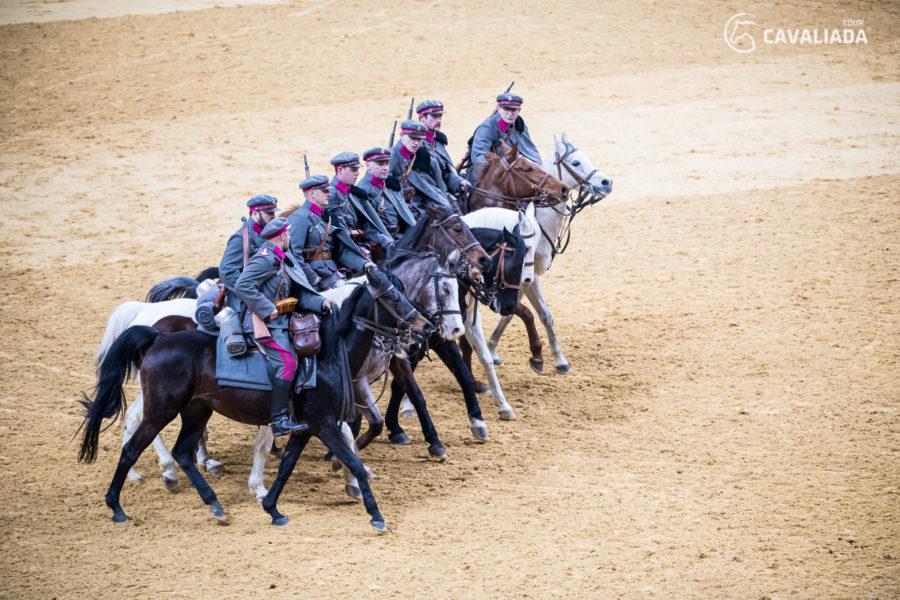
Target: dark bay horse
{"type": "Point", "coordinates": [178, 377]}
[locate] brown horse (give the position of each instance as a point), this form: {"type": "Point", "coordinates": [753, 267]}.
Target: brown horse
{"type": "Point", "coordinates": [509, 180]}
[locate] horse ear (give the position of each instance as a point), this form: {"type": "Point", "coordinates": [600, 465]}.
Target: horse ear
{"type": "Point", "coordinates": [565, 138]}
{"type": "Point", "coordinates": [529, 212]}
{"type": "Point", "coordinates": [444, 255]}
{"type": "Point", "coordinates": [514, 152]}
{"type": "Point", "coordinates": [555, 141]}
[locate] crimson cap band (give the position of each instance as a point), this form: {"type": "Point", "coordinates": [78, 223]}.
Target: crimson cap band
{"type": "Point", "coordinates": [262, 202]}
{"type": "Point", "coordinates": [508, 100]}
{"type": "Point", "coordinates": [430, 107]}
{"type": "Point", "coordinates": [413, 129]}
{"type": "Point", "coordinates": [377, 154]}
{"type": "Point", "coordinates": [275, 227]}
{"type": "Point", "coordinates": [313, 183]}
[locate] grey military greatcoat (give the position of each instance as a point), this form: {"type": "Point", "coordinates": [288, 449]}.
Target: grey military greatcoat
{"type": "Point", "coordinates": [352, 203]}
{"type": "Point", "coordinates": [424, 178]}
{"type": "Point", "coordinates": [488, 136]}
{"type": "Point", "coordinates": [388, 203]}
{"type": "Point", "coordinates": [307, 231]}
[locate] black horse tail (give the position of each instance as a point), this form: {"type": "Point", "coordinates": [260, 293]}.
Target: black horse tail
{"type": "Point", "coordinates": [208, 273]}
{"type": "Point", "coordinates": [120, 363]}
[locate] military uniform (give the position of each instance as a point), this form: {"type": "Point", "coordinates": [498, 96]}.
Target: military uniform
{"type": "Point", "coordinates": [494, 130]}
{"type": "Point", "coordinates": [353, 205]}
{"type": "Point", "coordinates": [309, 224]}
{"type": "Point", "coordinates": [422, 182]}
{"type": "Point", "coordinates": [385, 197]}
{"type": "Point", "coordinates": [232, 262]}
{"type": "Point", "coordinates": [272, 275]}
{"type": "Point", "coordinates": [436, 143]}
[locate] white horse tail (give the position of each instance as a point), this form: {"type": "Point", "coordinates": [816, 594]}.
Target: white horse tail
{"type": "Point", "coordinates": [121, 318]}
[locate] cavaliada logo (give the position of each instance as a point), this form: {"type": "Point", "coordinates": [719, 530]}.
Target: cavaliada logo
{"type": "Point", "coordinates": [743, 32]}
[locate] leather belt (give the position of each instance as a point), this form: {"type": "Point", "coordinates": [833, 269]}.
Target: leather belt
{"type": "Point", "coordinates": [310, 254]}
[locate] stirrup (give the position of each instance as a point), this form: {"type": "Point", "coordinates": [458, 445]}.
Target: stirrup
{"type": "Point", "coordinates": [283, 426]}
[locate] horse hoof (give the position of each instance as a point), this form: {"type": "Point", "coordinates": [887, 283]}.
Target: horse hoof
{"type": "Point", "coordinates": [336, 464]}
{"type": "Point", "coordinates": [171, 484]}
{"type": "Point", "coordinates": [138, 480]}
{"type": "Point", "coordinates": [353, 491]}
{"type": "Point", "coordinates": [119, 517]}
{"type": "Point", "coordinates": [481, 388]}
{"type": "Point", "coordinates": [217, 511]}
{"type": "Point", "coordinates": [497, 362]}
{"type": "Point", "coordinates": [437, 451]}
{"type": "Point", "coordinates": [215, 468]}
{"type": "Point", "coordinates": [564, 368]}
{"type": "Point", "coordinates": [370, 475]}
{"type": "Point", "coordinates": [399, 438]}
{"type": "Point", "coordinates": [479, 430]}
{"type": "Point", "coordinates": [280, 521]}
{"type": "Point", "coordinates": [378, 526]}
{"type": "Point", "coordinates": [507, 414]}
{"type": "Point", "coordinates": [536, 364]}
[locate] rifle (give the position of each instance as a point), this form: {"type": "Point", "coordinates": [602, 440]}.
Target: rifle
{"type": "Point", "coordinates": [306, 166]}
{"type": "Point", "coordinates": [393, 131]}
{"type": "Point", "coordinates": [409, 112]}
{"type": "Point", "coordinates": [510, 87]}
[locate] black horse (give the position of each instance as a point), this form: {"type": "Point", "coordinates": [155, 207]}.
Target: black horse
{"type": "Point", "coordinates": [499, 289]}
{"type": "Point", "coordinates": [178, 377]}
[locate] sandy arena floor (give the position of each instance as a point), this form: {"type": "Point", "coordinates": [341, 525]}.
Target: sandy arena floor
{"type": "Point", "coordinates": [730, 427]}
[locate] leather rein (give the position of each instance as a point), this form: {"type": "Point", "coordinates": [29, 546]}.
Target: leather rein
{"type": "Point", "coordinates": [539, 196]}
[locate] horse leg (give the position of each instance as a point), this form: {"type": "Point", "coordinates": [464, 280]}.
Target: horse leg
{"type": "Point", "coordinates": [396, 434]}
{"type": "Point", "coordinates": [213, 467]}
{"type": "Point", "coordinates": [132, 449]}
{"type": "Point", "coordinates": [494, 340]}
{"type": "Point", "coordinates": [331, 437]}
{"type": "Point", "coordinates": [351, 485]}
{"type": "Point", "coordinates": [264, 439]}
{"type": "Point", "coordinates": [289, 457]}
{"type": "Point", "coordinates": [448, 352]}
{"type": "Point", "coordinates": [369, 410]}
{"type": "Point", "coordinates": [133, 417]}
{"type": "Point", "coordinates": [536, 296]}
{"type": "Point", "coordinates": [536, 361]}
{"type": "Point", "coordinates": [402, 372]}
{"type": "Point", "coordinates": [194, 417]}
{"type": "Point", "coordinates": [475, 337]}
{"type": "Point", "coordinates": [466, 352]}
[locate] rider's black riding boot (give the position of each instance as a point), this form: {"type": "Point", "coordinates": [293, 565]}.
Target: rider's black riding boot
{"type": "Point", "coordinates": [281, 421]}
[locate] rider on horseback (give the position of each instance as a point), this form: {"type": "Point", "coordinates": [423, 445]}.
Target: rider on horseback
{"type": "Point", "coordinates": [262, 210]}
{"type": "Point", "coordinates": [351, 203]}
{"type": "Point", "coordinates": [504, 125]}
{"type": "Point", "coordinates": [417, 171]}
{"type": "Point", "coordinates": [271, 275]}
{"type": "Point", "coordinates": [384, 192]}
{"type": "Point", "coordinates": [319, 241]}
{"type": "Point", "coordinates": [431, 114]}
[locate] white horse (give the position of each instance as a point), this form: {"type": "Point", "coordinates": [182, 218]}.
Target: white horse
{"type": "Point", "coordinates": [143, 313]}
{"type": "Point", "coordinates": [497, 219]}
{"type": "Point", "coordinates": [575, 169]}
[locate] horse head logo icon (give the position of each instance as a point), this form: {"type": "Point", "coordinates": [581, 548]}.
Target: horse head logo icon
{"type": "Point", "coordinates": [736, 35]}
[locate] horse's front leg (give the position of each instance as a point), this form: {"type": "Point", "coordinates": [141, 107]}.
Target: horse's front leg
{"type": "Point", "coordinates": [264, 439]}
{"type": "Point", "coordinates": [476, 339]}
{"type": "Point", "coordinates": [448, 352]}
{"type": "Point", "coordinates": [332, 437]}
{"type": "Point", "coordinates": [536, 362]}
{"type": "Point", "coordinates": [291, 454]}
{"type": "Point", "coordinates": [213, 467]}
{"type": "Point", "coordinates": [536, 296]}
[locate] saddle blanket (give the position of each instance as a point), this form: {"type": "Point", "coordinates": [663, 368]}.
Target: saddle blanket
{"type": "Point", "coordinates": [247, 371]}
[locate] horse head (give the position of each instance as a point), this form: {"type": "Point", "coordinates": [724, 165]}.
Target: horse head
{"type": "Point", "coordinates": [433, 288]}
{"type": "Point", "coordinates": [449, 230]}
{"type": "Point", "coordinates": [575, 168]}
{"type": "Point", "coordinates": [398, 305]}
{"type": "Point", "coordinates": [513, 175]}
{"type": "Point", "coordinates": [528, 229]}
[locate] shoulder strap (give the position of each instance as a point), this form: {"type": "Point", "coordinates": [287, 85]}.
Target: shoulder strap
{"type": "Point", "coordinates": [324, 237]}
{"type": "Point", "coordinates": [246, 244]}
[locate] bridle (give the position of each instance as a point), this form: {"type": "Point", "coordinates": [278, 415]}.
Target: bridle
{"type": "Point", "coordinates": [385, 338]}
{"type": "Point", "coordinates": [434, 276]}
{"type": "Point", "coordinates": [539, 195]}
{"type": "Point", "coordinates": [443, 228]}
{"type": "Point", "coordinates": [487, 294]}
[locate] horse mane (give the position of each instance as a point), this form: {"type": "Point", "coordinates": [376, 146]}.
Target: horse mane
{"type": "Point", "coordinates": [348, 309]}
{"type": "Point", "coordinates": [398, 259]}
{"type": "Point", "coordinates": [412, 235]}
{"type": "Point", "coordinates": [208, 273]}
{"type": "Point", "coordinates": [290, 211]}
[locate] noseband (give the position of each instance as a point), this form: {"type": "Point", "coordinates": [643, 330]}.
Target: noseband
{"type": "Point", "coordinates": [586, 196]}
{"type": "Point", "coordinates": [435, 275]}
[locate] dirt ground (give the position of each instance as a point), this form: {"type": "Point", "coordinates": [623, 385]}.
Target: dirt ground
{"type": "Point", "coordinates": [730, 426]}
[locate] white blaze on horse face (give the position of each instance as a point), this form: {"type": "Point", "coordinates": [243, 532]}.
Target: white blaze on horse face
{"type": "Point", "coordinates": [451, 324]}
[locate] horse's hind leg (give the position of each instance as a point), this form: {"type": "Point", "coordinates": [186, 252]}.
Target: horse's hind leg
{"type": "Point", "coordinates": [133, 417]}
{"type": "Point", "coordinates": [193, 420]}
{"type": "Point", "coordinates": [332, 438]}
{"type": "Point", "coordinates": [132, 449]}
{"type": "Point", "coordinates": [213, 467]}
{"type": "Point", "coordinates": [264, 440]}
{"type": "Point", "coordinates": [536, 296]}
{"type": "Point", "coordinates": [494, 340]}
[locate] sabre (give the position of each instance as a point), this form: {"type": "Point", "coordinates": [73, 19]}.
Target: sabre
{"type": "Point", "coordinates": [409, 112]}
{"type": "Point", "coordinates": [510, 87]}
{"type": "Point", "coordinates": [393, 131]}
{"type": "Point", "coordinates": [306, 166]}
